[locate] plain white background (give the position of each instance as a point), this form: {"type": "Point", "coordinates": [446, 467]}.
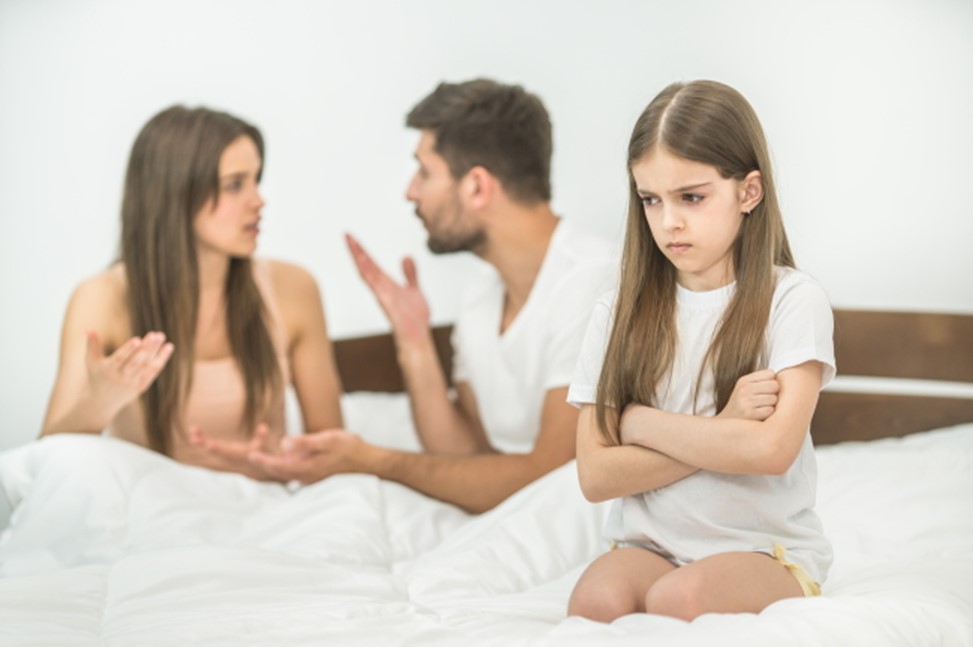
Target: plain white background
{"type": "Point", "coordinates": [867, 106]}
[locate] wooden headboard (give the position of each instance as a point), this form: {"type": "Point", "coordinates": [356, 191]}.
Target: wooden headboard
{"type": "Point", "coordinates": [919, 346]}
{"type": "Point", "coordinates": [369, 363]}
{"type": "Point", "coordinates": [904, 345]}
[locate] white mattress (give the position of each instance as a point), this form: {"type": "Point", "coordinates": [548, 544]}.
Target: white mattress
{"type": "Point", "coordinates": [104, 543]}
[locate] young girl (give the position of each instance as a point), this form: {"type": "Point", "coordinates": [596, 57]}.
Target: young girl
{"type": "Point", "coordinates": [698, 380]}
{"type": "Point", "coordinates": [187, 341]}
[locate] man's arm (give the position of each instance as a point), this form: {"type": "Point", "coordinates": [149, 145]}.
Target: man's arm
{"type": "Point", "coordinates": [480, 482]}
{"type": "Point", "coordinates": [442, 426]}
{"type": "Point", "coordinates": [475, 483]}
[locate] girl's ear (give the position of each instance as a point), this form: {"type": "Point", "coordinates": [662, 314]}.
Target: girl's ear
{"type": "Point", "coordinates": [478, 187]}
{"type": "Point", "coordinates": [751, 191]}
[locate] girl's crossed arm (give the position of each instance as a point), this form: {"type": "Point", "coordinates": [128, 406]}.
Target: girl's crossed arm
{"type": "Point", "coordinates": [734, 445]}
{"type": "Point", "coordinates": [608, 471]}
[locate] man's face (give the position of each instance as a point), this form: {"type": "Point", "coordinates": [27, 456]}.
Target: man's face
{"type": "Point", "coordinates": [438, 199]}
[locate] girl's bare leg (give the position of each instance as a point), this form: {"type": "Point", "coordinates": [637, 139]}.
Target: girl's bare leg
{"type": "Point", "coordinates": [616, 584]}
{"type": "Point", "coordinates": [724, 583]}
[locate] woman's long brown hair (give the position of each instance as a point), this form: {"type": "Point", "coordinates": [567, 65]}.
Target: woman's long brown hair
{"type": "Point", "coordinates": [173, 171]}
{"type": "Point", "coordinates": [710, 123]}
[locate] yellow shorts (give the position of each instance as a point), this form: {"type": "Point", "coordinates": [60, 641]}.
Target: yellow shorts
{"type": "Point", "coordinates": [809, 586]}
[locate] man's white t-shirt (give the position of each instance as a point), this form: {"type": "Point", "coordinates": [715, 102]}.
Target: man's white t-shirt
{"type": "Point", "coordinates": [711, 512]}
{"type": "Point", "coordinates": [510, 373]}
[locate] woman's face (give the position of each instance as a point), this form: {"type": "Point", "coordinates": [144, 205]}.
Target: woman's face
{"type": "Point", "coordinates": [229, 223]}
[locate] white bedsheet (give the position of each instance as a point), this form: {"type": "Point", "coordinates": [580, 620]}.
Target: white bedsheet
{"type": "Point", "coordinates": [110, 544]}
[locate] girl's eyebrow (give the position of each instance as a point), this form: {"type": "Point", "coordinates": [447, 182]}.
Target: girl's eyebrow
{"type": "Point", "coordinates": [691, 187]}
{"type": "Point", "coordinates": [684, 189]}
{"type": "Point", "coordinates": [234, 175]}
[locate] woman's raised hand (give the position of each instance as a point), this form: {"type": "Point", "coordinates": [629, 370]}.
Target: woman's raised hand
{"type": "Point", "coordinates": [116, 380]}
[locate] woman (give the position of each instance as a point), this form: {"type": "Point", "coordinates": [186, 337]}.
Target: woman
{"type": "Point", "coordinates": [188, 336]}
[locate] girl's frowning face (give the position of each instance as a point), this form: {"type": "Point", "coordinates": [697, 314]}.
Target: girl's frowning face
{"type": "Point", "coordinates": [694, 215]}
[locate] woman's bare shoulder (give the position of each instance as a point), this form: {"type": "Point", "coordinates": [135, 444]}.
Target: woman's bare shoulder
{"type": "Point", "coordinates": [291, 281]}
{"type": "Point", "coordinates": [107, 288]}
{"type": "Point", "coordinates": [100, 303]}
{"type": "Point", "coordinates": [298, 299]}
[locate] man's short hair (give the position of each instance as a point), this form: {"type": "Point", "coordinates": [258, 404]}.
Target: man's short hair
{"type": "Point", "coordinates": [502, 128]}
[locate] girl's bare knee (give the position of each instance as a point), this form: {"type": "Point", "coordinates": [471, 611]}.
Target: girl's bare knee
{"type": "Point", "coordinates": [600, 604]}
{"type": "Point", "coordinates": [682, 597]}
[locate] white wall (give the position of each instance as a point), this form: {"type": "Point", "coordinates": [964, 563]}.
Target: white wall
{"type": "Point", "coordinates": [867, 105]}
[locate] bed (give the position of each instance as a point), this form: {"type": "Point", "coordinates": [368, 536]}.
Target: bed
{"type": "Point", "coordinates": [105, 543]}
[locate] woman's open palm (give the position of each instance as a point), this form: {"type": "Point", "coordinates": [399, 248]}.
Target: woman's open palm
{"type": "Point", "coordinates": [116, 380]}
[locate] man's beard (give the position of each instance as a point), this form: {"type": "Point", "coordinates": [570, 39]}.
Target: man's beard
{"type": "Point", "coordinates": [455, 239]}
{"type": "Point", "coordinates": [470, 241]}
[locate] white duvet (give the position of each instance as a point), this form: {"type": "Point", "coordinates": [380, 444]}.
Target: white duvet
{"type": "Point", "coordinates": [104, 543]}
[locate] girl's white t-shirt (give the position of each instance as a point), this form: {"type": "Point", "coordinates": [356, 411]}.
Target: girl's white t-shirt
{"type": "Point", "coordinates": [710, 512]}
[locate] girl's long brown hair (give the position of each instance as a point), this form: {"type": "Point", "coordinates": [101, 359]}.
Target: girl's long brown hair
{"type": "Point", "coordinates": [172, 172]}
{"type": "Point", "coordinates": [710, 123]}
